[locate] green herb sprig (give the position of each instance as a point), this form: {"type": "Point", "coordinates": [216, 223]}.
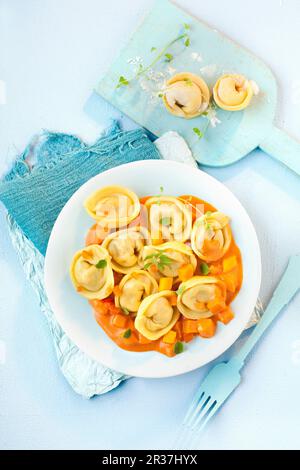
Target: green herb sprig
{"type": "Point", "coordinates": [164, 53]}
{"type": "Point", "coordinates": [159, 259]}
{"type": "Point", "coordinates": [101, 264]}
{"type": "Point", "coordinates": [122, 82]}
{"type": "Point", "coordinates": [127, 333]}
{"type": "Point", "coordinates": [205, 269]}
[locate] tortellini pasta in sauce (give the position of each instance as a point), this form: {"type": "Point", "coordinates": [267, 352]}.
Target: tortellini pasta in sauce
{"type": "Point", "coordinates": [169, 218]}
{"type": "Point", "coordinates": [211, 236]}
{"type": "Point", "coordinates": [156, 315]}
{"type": "Point", "coordinates": [125, 248]}
{"type": "Point", "coordinates": [91, 272]}
{"type": "Point", "coordinates": [195, 294]}
{"type": "Point", "coordinates": [113, 206]}
{"type": "Point", "coordinates": [133, 288]}
{"type": "Point", "coordinates": [168, 258]}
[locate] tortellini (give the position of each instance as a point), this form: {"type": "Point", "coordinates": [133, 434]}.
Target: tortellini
{"type": "Point", "coordinates": [125, 248]}
{"type": "Point", "coordinates": [168, 258]}
{"type": "Point", "coordinates": [233, 92]}
{"type": "Point", "coordinates": [169, 218]}
{"type": "Point", "coordinates": [195, 294]}
{"type": "Point", "coordinates": [133, 288]}
{"type": "Point", "coordinates": [186, 95]}
{"type": "Point", "coordinates": [113, 206]}
{"type": "Point", "coordinates": [156, 315]}
{"type": "Point", "coordinates": [211, 236]}
{"type": "Point", "coordinates": [91, 272]}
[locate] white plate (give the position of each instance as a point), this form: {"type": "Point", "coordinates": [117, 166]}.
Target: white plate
{"type": "Point", "coordinates": [74, 313]}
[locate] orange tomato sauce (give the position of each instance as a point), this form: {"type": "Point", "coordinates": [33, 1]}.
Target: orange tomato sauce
{"type": "Point", "coordinates": [117, 325]}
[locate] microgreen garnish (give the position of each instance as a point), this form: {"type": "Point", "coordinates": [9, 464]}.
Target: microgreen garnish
{"type": "Point", "coordinates": [163, 54]}
{"type": "Point", "coordinates": [159, 259]}
{"type": "Point", "coordinates": [101, 264]}
{"type": "Point", "coordinates": [165, 221]}
{"type": "Point", "coordinates": [198, 133]}
{"type": "Point", "coordinates": [204, 269]}
{"type": "Point", "coordinates": [122, 82]}
{"type": "Point", "coordinates": [178, 348]}
{"type": "Point", "coordinates": [161, 188]}
{"type": "Point", "coordinates": [169, 57]}
{"type": "Point", "coordinates": [160, 95]}
{"type": "Point", "coordinates": [127, 333]}
{"type": "Point", "coordinates": [208, 213]}
{"type": "Point", "coordinates": [181, 289]}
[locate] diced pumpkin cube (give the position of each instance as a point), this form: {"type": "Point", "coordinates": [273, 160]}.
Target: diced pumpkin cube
{"type": "Point", "coordinates": [170, 337]}
{"type": "Point", "coordinates": [230, 281]}
{"type": "Point", "coordinates": [187, 337]}
{"type": "Point", "coordinates": [216, 305]}
{"type": "Point", "coordinates": [226, 316]}
{"type": "Point", "coordinates": [165, 283]}
{"type": "Point", "coordinates": [119, 321]}
{"type": "Point", "coordinates": [173, 300]}
{"type": "Point", "coordinates": [178, 328]}
{"type": "Point", "coordinates": [186, 272]}
{"type": "Point", "coordinates": [190, 326]}
{"type": "Point", "coordinates": [229, 264]}
{"type": "Point", "coordinates": [206, 327]}
{"type": "Point", "coordinates": [215, 269]}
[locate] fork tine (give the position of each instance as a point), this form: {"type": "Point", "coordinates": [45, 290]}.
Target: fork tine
{"type": "Point", "coordinates": [213, 409]}
{"type": "Point", "coordinates": [199, 411]}
{"type": "Point", "coordinates": [198, 398]}
{"type": "Point", "coordinates": [204, 417]}
{"type": "Point", "coordinates": [185, 428]}
{"type": "Point", "coordinates": [205, 413]}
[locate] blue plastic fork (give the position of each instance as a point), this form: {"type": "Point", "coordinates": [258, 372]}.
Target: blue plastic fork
{"type": "Point", "coordinates": [225, 377]}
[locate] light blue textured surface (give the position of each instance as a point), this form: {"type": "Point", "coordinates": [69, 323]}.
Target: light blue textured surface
{"type": "Point", "coordinates": [38, 409]}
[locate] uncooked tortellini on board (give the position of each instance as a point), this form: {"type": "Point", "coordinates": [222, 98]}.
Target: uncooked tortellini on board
{"type": "Point", "coordinates": [156, 315]}
{"type": "Point", "coordinates": [169, 218]}
{"type": "Point", "coordinates": [233, 92]}
{"type": "Point", "coordinates": [91, 272]}
{"type": "Point", "coordinates": [195, 295]}
{"type": "Point", "coordinates": [125, 248]}
{"type": "Point", "coordinates": [113, 206]}
{"type": "Point", "coordinates": [211, 236]}
{"type": "Point", "coordinates": [134, 288]}
{"type": "Point", "coordinates": [186, 95]}
{"type": "Point", "coordinates": [168, 258]}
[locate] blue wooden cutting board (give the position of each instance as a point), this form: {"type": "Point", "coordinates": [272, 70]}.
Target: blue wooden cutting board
{"type": "Point", "coordinates": [208, 54]}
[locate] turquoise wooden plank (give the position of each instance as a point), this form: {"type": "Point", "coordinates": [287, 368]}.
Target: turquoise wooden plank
{"type": "Point", "coordinates": [210, 54]}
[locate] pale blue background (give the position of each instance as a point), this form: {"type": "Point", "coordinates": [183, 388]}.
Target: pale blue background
{"type": "Point", "coordinates": [52, 54]}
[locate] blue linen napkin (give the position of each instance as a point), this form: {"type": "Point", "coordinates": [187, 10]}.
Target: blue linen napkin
{"type": "Point", "coordinates": [35, 195]}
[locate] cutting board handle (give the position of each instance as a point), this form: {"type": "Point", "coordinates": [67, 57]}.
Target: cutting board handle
{"type": "Point", "coordinates": [280, 145]}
